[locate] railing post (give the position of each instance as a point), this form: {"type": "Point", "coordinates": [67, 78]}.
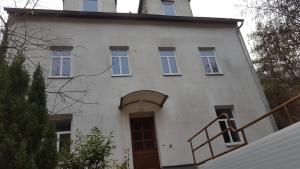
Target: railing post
{"type": "Point", "coordinates": [209, 143]}
{"type": "Point", "coordinates": [288, 115]}
{"type": "Point", "coordinates": [192, 148]}
{"type": "Point", "coordinates": [233, 128]}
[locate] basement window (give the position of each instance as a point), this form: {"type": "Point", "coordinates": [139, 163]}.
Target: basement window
{"type": "Point", "coordinates": [230, 138]}
{"type": "Point", "coordinates": [62, 124]}
{"type": "Point", "coordinates": [63, 134]}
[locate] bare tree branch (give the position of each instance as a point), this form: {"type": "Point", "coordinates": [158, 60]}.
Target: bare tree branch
{"type": "Point", "coordinates": [18, 35]}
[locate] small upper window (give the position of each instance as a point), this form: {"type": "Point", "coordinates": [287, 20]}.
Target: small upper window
{"type": "Point", "coordinates": [90, 5]}
{"type": "Point", "coordinates": [168, 62]}
{"type": "Point", "coordinates": [120, 63]}
{"type": "Point", "coordinates": [168, 7]}
{"type": "Point", "coordinates": [61, 63]}
{"type": "Point", "coordinates": [209, 61]}
{"type": "Point", "coordinates": [229, 136]}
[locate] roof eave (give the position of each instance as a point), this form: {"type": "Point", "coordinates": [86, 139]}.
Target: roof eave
{"type": "Point", "coordinates": [108, 15]}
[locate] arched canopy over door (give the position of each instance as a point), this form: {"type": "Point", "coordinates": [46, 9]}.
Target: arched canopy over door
{"type": "Point", "coordinates": [142, 98]}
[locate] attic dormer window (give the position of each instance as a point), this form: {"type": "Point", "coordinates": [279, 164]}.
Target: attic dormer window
{"type": "Point", "coordinates": [90, 5]}
{"type": "Point", "coordinates": [168, 7]}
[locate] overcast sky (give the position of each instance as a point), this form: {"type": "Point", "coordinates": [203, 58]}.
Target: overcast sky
{"type": "Point", "coordinates": [207, 8]}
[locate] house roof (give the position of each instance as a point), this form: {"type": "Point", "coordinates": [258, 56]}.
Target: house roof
{"type": "Point", "coordinates": [123, 16]}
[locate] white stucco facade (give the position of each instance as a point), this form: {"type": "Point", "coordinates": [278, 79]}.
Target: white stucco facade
{"type": "Point", "coordinates": [193, 94]}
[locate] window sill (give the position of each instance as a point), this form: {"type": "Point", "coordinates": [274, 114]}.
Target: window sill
{"type": "Point", "coordinates": [175, 74]}
{"type": "Point", "coordinates": [127, 75]}
{"type": "Point", "coordinates": [214, 74]}
{"type": "Point", "coordinates": [60, 77]}
{"type": "Point", "coordinates": [233, 144]}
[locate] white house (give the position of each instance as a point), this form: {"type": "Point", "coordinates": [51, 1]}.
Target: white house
{"type": "Point", "coordinates": [153, 78]}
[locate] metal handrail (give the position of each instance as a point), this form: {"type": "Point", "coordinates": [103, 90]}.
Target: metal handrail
{"type": "Point", "coordinates": [234, 130]}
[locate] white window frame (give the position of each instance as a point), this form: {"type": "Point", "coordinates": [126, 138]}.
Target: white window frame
{"type": "Point", "coordinates": [61, 64]}
{"type": "Point", "coordinates": [164, 2]}
{"type": "Point", "coordinates": [169, 66]}
{"type": "Point", "coordinates": [210, 67]}
{"type": "Point", "coordinates": [58, 133]}
{"type": "Point", "coordinates": [231, 143]}
{"type": "Point", "coordinates": [99, 6]}
{"type": "Point", "coordinates": [120, 64]}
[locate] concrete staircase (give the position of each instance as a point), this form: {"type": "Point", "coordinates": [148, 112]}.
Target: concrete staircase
{"type": "Point", "coordinates": [280, 150]}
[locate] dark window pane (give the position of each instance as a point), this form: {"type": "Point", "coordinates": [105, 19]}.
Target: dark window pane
{"type": "Point", "coordinates": [62, 53]}
{"type": "Point", "coordinates": [226, 134]}
{"type": "Point", "coordinates": [125, 67]}
{"type": "Point", "coordinates": [167, 53]}
{"type": "Point", "coordinates": [90, 5]}
{"type": "Point", "coordinates": [55, 67]}
{"type": "Point", "coordinates": [206, 65]}
{"type": "Point", "coordinates": [227, 111]}
{"type": "Point", "coordinates": [223, 125]}
{"type": "Point", "coordinates": [235, 136]}
{"type": "Point", "coordinates": [173, 65]}
{"type": "Point", "coordinates": [64, 142]}
{"type": "Point", "coordinates": [165, 65]}
{"type": "Point", "coordinates": [213, 64]}
{"type": "Point", "coordinates": [233, 124]}
{"type": "Point", "coordinates": [119, 53]}
{"type": "Point", "coordinates": [116, 65]}
{"type": "Point", "coordinates": [66, 69]}
{"type": "Point", "coordinates": [63, 125]}
{"type": "Point", "coordinates": [206, 53]}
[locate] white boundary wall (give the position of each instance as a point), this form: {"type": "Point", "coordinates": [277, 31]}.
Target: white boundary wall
{"type": "Point", "coordinates": [280, 150]}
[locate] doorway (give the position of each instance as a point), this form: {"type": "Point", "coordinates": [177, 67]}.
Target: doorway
{"type": "Point", "coordinates": [144, 144]}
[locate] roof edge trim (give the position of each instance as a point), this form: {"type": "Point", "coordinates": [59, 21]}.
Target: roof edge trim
{"type": "Point", "coordinates": [109, 15]}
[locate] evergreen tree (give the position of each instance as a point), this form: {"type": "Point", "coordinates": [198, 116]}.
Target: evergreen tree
{"type": "Point", "coordinates": [27, 139]}
{"type": "Point", "coordinates": [13, 106]}
{"type": "Point", "coordinates": [43, 138]}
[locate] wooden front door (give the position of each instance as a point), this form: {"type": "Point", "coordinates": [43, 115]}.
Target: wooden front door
{"type": "Point", "coordinates": [145, 154]}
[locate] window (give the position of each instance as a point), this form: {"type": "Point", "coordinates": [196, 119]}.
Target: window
{"type": "Point", "coordinates": [90, 5]}
{"type": "Point", "coordinates": [209, 61]}
{"type": "Point", "coordinates": [120, 64]}
{"type": "Point", "coordinates": [168, 62]}
{"type": "Point", "coordinates": [168, 7]}
{"type": "Point", "coordinates": [229, 136]}
{"type": "Point", "coordinates": [61, 63]}
{"type": "Point", "coordinates": [63, 133]}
